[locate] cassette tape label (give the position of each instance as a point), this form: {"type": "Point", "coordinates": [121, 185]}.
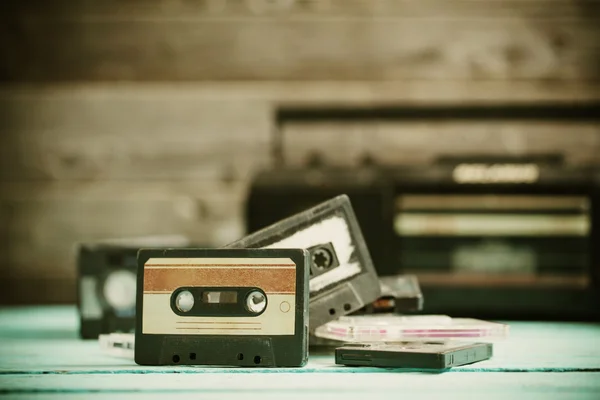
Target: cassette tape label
{"type": "Point", "coordinates": [255, 296]}
{"type": "Point", "coordinates": [335, 229]}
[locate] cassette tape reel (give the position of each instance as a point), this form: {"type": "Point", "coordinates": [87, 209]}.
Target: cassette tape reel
{"type": "Point", "coordinates": [240, 307]}
{"type": "Point", "coordinates": [342, 276]}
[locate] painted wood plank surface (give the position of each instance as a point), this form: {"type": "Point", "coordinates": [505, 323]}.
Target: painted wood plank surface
{"type": "Point", "coordinates": [49, 339]}
{"type": "Point", "coordinates": [582, 385]}
{"type": "Point", "coordinates": [41, 357]}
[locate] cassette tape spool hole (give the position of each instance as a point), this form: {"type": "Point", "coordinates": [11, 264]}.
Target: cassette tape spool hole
{"type": "Point", "coordinates": [256, 302]}
{"type": "Point", "coordinates": [184, 301]}
{"type": "Point", "coordinates": [323, 259]}
{"type": "Point", "coordinates": [119, 290]}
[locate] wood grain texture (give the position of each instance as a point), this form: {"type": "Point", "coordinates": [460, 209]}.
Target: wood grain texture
{"type": "Point", "coordinates": [48, 220]}
{"type": "Point", "coordinates": [212, 132]}
{"type": "Point", "coordinates": [305, 92]}
{"type": "Point", "coordinates": [33, 290]}
{"type": "Point", "coordinates": [538, 360]}
{"type": "Point", "coordinates": [223, 9]}
{"type": "Point", "coordinates": [141, 117]}
{"type": "Point", "coordinates": [564, 347]}
{"type": "Point", "coordinates": [119, 137]}
{"type": "Point", "coordinates": [5, 238]}
{"type": "Point", "coordinates": [86, 162]}
{"type": "Point", "coordinates": [289, 384]}
{"type": "Point", "coordinates": [405, 143]}
{"type": "Point", "coordinates": [171, 41]}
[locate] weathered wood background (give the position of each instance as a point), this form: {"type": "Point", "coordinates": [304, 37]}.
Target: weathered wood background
{"type": "Point", "coordinates": [150, 117]}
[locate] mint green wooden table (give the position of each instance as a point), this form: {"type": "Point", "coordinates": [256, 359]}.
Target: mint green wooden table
{"type": "Point", "coordinates": [42, 357]}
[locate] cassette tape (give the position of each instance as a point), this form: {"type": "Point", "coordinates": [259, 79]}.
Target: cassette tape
{"type": "Point", "coordinates": [235, 307]}
{"type": "Point", "coordinates": [399, 294]}
{"type": "Point", "coordinates": [390, 327]}
{"type": "Point", "coordinates": [418, 355]}
{"type": "Point", "coordinates": [107, 281]}
{"type": "Point", "coordinates": [342, 276]}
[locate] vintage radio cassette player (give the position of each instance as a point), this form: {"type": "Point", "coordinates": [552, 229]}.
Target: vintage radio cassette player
{"type": "Point", "coordinates": [106, 282]}
{"type": "Point", "coordinates": [342, 276]}
{"type": "Point", "coordinates": [485, 236]}
{"type": "Point", "coordinates": [505, 238]}
{"type": "Point", "coordinates": [236, 307]}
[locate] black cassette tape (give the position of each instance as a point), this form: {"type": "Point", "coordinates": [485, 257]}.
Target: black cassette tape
{"type": "Point", "coordinates": [236, 307]}
{"type": "Point", "coordinates": [106, 289]}
{"type": "Point", "coordinates": [342, 276]}
{"type": "Point", "coordinates": [417, 355]}
{"type": "Point", "coordinates": [399, 294]}
{"type": "Point", "coordinates": [107, 281]}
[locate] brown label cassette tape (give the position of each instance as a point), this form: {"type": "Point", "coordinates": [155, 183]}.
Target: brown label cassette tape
{"type": "Point", "coordinates": [242, 307]}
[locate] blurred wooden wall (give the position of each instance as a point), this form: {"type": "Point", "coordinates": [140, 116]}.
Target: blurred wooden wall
{"type": "Point", "coordinates": [150, 117]}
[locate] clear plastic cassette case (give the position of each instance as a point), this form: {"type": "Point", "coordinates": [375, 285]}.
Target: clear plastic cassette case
{"type": "Point", "coordinates": [118, 344]}
{"type": "Point", "coordinates": [390, 327]}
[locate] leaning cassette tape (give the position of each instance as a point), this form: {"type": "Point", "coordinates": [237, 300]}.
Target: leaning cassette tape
{"type": "Point", "coordinates": [389, 327]}
{"type": "Point", "coordinates": [342, 276]}
{"type": "Point", "coordinates": [237, 307]}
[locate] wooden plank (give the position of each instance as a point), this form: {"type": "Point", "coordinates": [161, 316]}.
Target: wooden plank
{"type": "Point", "coordinates": [33, 290]}
{"type": "Point", "coordinates": [207, 131]}
{"type": "Point", "coordinates": [398, 143]}
{"type": "Point", "coordinates": [288, 384]}
{"type": "Point", "coordinates": [210, 191]}
{"type": "Point", "coordinates": [219, 9]}
{"type": "Point", "coordinates": [273, 93]}
{"type": "Point", "coordinates": [113, 137]}
{"type": "Point", "coordinates": [5, 238]}
{"type": "Point", "coordinates": [390, 48]}
{"type": "Point", "coordinates": [48, 220]}
{"type": "Point", "coordinates": [116, 134]}
{"type": "Point", "coordinates": [563, 348]}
